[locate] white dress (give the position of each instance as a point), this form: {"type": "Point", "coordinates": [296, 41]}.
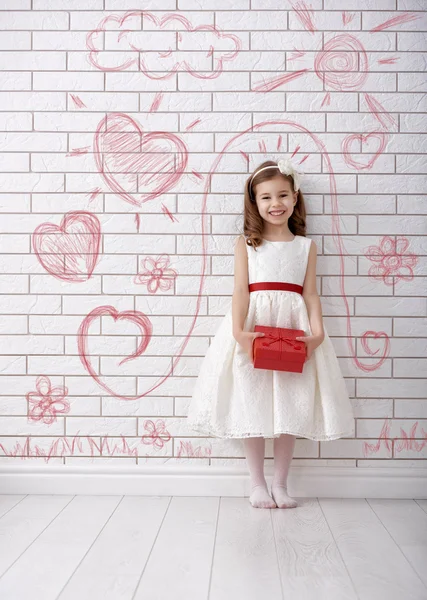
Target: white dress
{"type": "Point", "coordinates": [232, 399]}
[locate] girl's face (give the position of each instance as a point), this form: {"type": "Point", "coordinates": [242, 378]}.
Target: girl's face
{"type": "Point", "coordinates": [275, 195]}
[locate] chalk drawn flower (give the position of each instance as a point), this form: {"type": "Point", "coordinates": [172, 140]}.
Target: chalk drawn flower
{"type": "Point", "coordinates": [47, 401]}
{"type": "Point", "coordinates": [158, 433]}
{"type": "Point", "coordinates": [392, 262]}
{"type": "Point", "coordinates": [156, 274]}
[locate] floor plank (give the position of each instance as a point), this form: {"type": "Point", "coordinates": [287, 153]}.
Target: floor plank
{"type": "Point", "coordinates": [373, 559]}
{"type": "Point", "coordinates": [184, 546]}
{"type": "Point", "coordinates": [406, 522]}
{"type": "Point", "coordinates": [9, 501]}
{"type": "Point", "coordinates": [45, 566]}
{"type": "Point", "coordinates": [112, 567]}
{"type": "Point", "coordinates": [22, 524]}
{"type": "Point", "coordinates": [310, 563]}
{"type": "Point", "coordinates": [245, 560]}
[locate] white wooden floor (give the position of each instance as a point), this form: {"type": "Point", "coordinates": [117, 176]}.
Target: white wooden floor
{"type": "Point", "coordinates": [161, 548]}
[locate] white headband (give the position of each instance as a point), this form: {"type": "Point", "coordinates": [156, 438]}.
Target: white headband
{"type": "Point", "coordinates": [286, 167]}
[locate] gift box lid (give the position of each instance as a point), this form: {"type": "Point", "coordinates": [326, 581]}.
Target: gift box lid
{"type": "Point", "coordinates": [292, 351]}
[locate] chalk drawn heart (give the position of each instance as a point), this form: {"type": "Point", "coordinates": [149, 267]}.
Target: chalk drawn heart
{"type": "Point", "coordinates": [138, 318]}
{"type": "Point", "coordinates": [379, 136]}
{"type": "Point", "coordinates": [374, 335]}
{"type": "Point", "coordinates": [137, 165]}
{"type": "Point", "coordinates": [70, 251]}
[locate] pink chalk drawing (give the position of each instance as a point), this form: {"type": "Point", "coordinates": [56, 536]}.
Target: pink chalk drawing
{"type": "Point", "coordinates": [155, 105]}
{"type": "Point", "coordinates": [47, 402]}
{"type": "Point", "coordinates": [384, 438]}
{"type": "Point", "coordinates": [386, 120]}
{"type": "Point", "coordinates": [404, 18]}
{"type": "Point", "coordinates": [347, 17]}
{"type": "Point", "coordinates": [380, 139]}
{"type": "Point", "coordinates": [138, 318]}
{"type": "Point", "coordinates": [158, 433]}
{"type": "Point", "coordinates": [326, 100]}
{"type": "Point", "coordinates": [404, 442]}
{"type": "Point", "coordinates": [196, 175]}
{"type": "Point", "coordinates": [343, 63]}
{"type": "Point", "coordinates": [381, 136]}
{"type": "Point", "coordinates": [193, 124]}
{"type": "Point", "coordinates": [129, 158]}
{"type": "Point", "coordinates": [374, 335]}
{"type": "Point", "coordinates": [168, 213]}
{"type": "Point", "coordinates": [272, 83]}
{"type": "Point", "coordinates": [90, 446]}
{"type": "Point", "coordinates": [76, 446]}
{"type": "Point", "coordinates": [409, 442]}
{"type": "Point", "coordinates": [78, 151]}
{"type": "Point", "coordinates": [69, 252]}
{"type": "Point", "coordinates": [296, 54]}
{"type": "Point", "coordinates": [156, 274]}
{"type": "Point", "coordinates": [393, 264]}
{"type": "Point", "coordinates": [186, 449]}
{"type": "Point", "coordinates": [78, 102]}
{"type": "Point", "coordinates": [305, 15]}
{"type": "Point", "coordinates": [388, 61]}
{"type": "Point", "coordinates": [164, 63]}
{"type": "Point", "coordinates": [94, 194]}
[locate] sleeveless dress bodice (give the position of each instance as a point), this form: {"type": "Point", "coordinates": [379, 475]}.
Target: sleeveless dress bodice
{"type": "Point", "coordinates": [279, 261]}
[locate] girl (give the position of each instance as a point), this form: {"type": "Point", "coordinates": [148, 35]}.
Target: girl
{"type": "Point", "coordinates": [231, 398]}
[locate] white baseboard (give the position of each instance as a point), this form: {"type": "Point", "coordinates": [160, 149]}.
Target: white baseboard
{"type": "Point", "coordinates": [303, 482]}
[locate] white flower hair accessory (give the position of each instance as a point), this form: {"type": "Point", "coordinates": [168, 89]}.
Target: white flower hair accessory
{"type": "Point", "coordinates": [286, 167]}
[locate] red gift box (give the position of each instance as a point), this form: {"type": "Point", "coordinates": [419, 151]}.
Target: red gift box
{"type": "Point", "coordinates": [278, 349]}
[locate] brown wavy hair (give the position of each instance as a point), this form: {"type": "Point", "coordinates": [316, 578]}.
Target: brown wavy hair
{"type": "Point", "coordinates": [253, 223]}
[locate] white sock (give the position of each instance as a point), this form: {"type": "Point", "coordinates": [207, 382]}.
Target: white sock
{"type": "Point", "coordinates": [280, 495]}
{"type": "Point", "coordinates": [283, 452]}
{"type": "Point", "coordinates": [260, 498]}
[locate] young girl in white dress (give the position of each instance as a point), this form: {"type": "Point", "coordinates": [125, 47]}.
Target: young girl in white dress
{"type": "Point", "coordinates": [232, 399]}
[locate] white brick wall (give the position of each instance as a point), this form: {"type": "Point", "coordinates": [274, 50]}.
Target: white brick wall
{"type": "Point", "coordinates": [364, 132]}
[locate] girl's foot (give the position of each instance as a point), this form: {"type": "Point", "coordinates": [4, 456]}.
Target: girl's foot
{"type": "Point", "coordinates": [260, 498]}
{"type": "Point", "coordinates": [280, 496]}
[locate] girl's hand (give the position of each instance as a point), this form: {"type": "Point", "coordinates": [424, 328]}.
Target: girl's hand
{"type": "Point", "coordinates": [311, 341]}
{"type": "Point", "coordinates": [246, 339]}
